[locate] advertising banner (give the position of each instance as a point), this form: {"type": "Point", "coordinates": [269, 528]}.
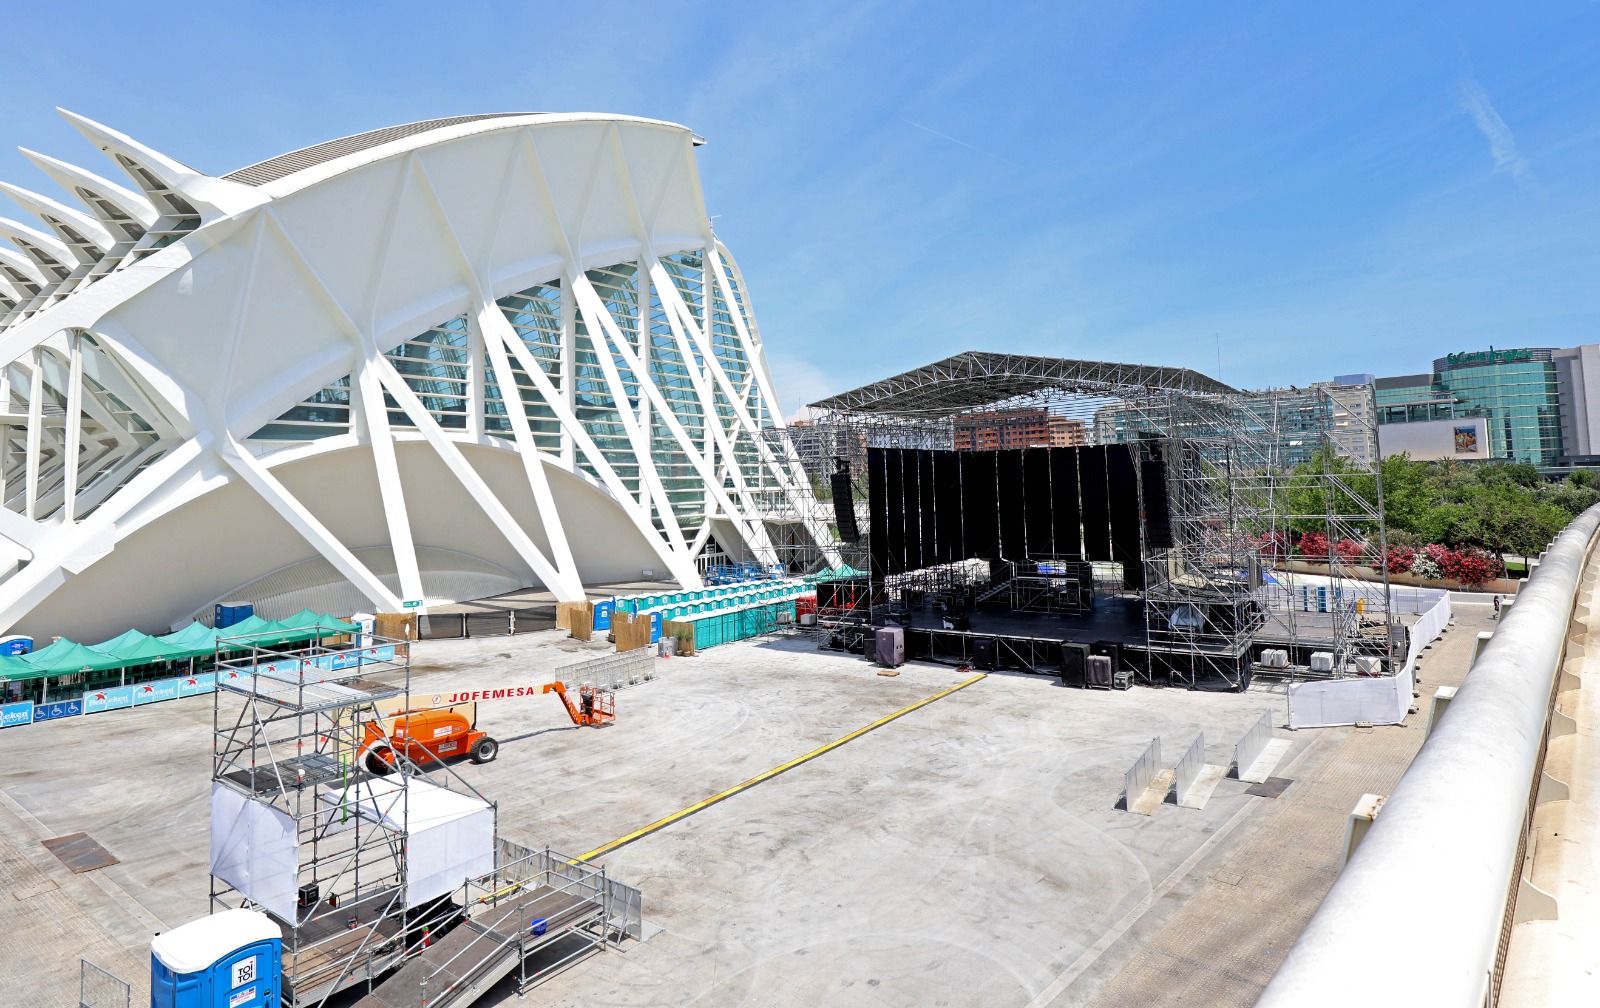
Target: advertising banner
{"type": "Point", "coordinates": [359, 656]}
{"type": "Point", "coordinates": [51, 711]}
{"type": "Point", "coordinates": [110, 698]}
{"type": "Point", "coordinates": [151, 692]}
{"type": "Point", "coordinates": [13, 714]}
{"type": "Point", "coordinates": [196, 684]}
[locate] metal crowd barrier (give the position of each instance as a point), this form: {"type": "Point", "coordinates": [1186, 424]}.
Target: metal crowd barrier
{"type": "Point", "coordinates": [1188, 769]}
{"type": "Point", "coordinates": [1142, 772]}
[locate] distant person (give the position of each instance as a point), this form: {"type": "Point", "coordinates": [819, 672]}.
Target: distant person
{"type": "Point", "coordinates": [1497, 607]}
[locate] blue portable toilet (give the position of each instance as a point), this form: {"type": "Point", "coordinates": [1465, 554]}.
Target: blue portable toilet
{"type": "Point", "coordinates": [16, 645]}
{"type": "Point", "coordinates": [603, 612]}
{"type": "Point", "coordinates": [232, 959]}
{"type": "Point", "coordinates": [655, 626]}
{"type": "Point", "coordinates": [227, 614]}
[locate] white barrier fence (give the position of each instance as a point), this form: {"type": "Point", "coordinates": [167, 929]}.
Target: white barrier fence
{"type": "Point", "coordinates": [1188, 770]}
{"type": "Point", "coordinates": [1368, 699]}
{"type": "Point", "coordinates": [1143, 771]}
{"type": "Point", "coordinates": [1248, 749]}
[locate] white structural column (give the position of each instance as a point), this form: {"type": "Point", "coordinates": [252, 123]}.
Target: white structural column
{"type": "Point", "coordinates": [306, 523]}
{"type": "Point", "coordinates": [69, 491]}
{"type": "Point", "coordinates": [587, 297]}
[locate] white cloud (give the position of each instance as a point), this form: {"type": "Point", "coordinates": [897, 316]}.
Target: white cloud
{"type": "Point", "coordinates": [1502, 144]}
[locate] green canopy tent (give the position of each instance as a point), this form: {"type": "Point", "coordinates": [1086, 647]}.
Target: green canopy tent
{"type": "Point", "coordinates": [17, 668]}
{"type": "Point", "coordinates": [253, 629]}
{"type": "Point", "coordinates": [302, 626]}
{"type": "Point", "coordinates": [192, 641]}
{"type": "Point", "coordinates": [321, 621]}
{"type": "Point", "coordinates": [65, 657]}
{"type": "Point", "coordinates": [139, 648]}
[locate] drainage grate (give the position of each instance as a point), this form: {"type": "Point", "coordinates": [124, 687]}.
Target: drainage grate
{"type": "Point", "coordinates": [79, 852]}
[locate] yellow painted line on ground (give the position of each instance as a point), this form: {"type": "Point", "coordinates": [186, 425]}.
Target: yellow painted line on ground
{"type": "Point", "coordinates": [767, 775]}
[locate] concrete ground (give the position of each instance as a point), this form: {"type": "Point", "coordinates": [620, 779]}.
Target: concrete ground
{"type": "Point", "coordinates": [969, 853]}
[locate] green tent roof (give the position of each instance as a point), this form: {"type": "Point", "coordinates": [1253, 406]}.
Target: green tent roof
{"type": "Point", "coordinates": [194, 639]}
{"type": "Point", "coordinates": [15, 668]}
{"type": "Point", "coordinates": [305, 618]}
{"type": "Point", "coordinates": [65, 657]}
{"type": "Point", "coordinates": [135, 648]}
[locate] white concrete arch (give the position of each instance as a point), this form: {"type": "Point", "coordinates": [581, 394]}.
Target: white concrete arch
{"type": "Point", "coordinates": [513, 313]}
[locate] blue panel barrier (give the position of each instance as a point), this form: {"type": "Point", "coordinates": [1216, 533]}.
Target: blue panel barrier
{"type": "Point", "coordinates": [110, 698]}
{"type": "Point", "coordinates": [153, 692]}
{"type": "Point", "coordinates": [13, 714]}
{"type": "Point", "coordinates": [59, 709]}
{"type": "Point", "coordinates": [197, 684]}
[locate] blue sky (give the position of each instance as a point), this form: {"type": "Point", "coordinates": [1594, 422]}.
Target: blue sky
{"type": "Point", "coordinates": [1308, 189]}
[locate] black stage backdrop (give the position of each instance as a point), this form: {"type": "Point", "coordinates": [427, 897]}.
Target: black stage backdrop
{"type": "Point", "coordinates": [1093, 506]}
{"type": "Point", "coordinates": [933, 507]}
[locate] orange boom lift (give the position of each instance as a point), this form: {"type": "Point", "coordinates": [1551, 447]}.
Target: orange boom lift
{"type": "Point", "coordinates": [594, 707]}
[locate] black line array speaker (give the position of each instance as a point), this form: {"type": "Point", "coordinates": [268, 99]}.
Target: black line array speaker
{"type": "Point", "coordinates": [1074, 663]}
{"type": "Point", "coordinates": [844, 505]}
{"type": "Point", "coordinates": [983, 653]}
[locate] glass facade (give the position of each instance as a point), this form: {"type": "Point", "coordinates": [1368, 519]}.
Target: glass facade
{"type": "Point", "coordinates": [1518, 391]}
{"type": "Point", "coordinates": [439, 365]}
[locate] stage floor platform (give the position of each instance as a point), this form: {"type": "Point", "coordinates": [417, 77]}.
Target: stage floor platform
{"type": "Point", "coordinates": [1124, 625]}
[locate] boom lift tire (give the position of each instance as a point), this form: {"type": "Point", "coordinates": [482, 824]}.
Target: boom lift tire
{"type": "Point", "coordinates": [485, 751]}
{"type": "Point", "coordinates": [377, 764]}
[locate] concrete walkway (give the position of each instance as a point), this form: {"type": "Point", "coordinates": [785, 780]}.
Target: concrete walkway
{"type": "Point", "coordinates": [1218, 936]}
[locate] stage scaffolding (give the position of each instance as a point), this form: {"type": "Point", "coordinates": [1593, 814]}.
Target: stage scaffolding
{"type": "Point", "coordinates": [1247, 473]}
{"type": "Point", "coordinates": [303, 829]}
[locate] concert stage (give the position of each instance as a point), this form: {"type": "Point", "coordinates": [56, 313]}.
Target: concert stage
{"type": "Point", "coordinates": [1032, 642]}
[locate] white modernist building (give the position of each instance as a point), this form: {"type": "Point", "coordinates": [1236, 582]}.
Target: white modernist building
{"type": "Point", "coordinates": [433, 362]}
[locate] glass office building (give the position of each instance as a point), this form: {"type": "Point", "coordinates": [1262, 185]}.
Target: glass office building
{"type": "Point", "coordinates": [1520, 394]}
{"type": "Point", "coordinates": [1517, 391]}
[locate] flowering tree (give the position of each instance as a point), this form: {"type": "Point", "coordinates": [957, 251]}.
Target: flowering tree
{"type": "Point", "coordinates": [1314, 545]}
{"type": "Point", "coordinates": [1397, 560]}
{"type": "Point", "coordinates": [1272, 545]}
{"type": "Point", "coordinates": [1425, 564]}
{"type": "Point", "coordinates": [1350, 550]}
{"type": "Point", "coordinates": [1473, 566]}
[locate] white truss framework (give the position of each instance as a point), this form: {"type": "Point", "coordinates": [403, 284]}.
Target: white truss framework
{"type": "Point", "coordinates": [415, 365]}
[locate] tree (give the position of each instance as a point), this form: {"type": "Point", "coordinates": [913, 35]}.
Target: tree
{"type": "Point", "coordinates": [1473, 566]}
{"type": "Point", "coordinates": [1313, 546]}
{"type": "Point", "coordinates": [1350, 550]}
{"type": "Point", "coordinates": [1397, 559]}
{"type": "Point", "coordinates": [1424, 566]}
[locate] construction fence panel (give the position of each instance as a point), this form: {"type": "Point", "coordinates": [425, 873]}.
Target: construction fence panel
{"type": "Point", "coordinates": [1143, 771]}
{"type": "Point", "coordinates": [612, 671]}
{"type": "Point", "coordinates": [99, 989]}
{"type": "Point", "coordinates": [1249, 748]}
{"type": "Point", "coordinates": [1188, 769]}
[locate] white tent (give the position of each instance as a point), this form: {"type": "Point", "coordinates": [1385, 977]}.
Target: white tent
{"type": "Point", "coordinates": [449, 836]}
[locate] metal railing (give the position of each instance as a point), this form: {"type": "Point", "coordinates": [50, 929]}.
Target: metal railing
{"type": "Point", "coordinates": [99, 989]}
{"type": "Point", "coordinates": [1418, 914]}
{"type": "Point", "coordinates": [613, 671]}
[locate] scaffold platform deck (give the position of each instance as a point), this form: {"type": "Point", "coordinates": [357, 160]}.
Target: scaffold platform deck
{"type": "Point", "coordinates": [469, 961]}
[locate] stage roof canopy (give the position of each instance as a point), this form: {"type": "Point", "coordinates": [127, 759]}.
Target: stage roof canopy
{"type": "Point", "coordinates": [976, 379]}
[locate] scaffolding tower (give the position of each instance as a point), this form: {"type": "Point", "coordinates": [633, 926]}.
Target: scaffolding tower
{"type": "Point", "coordinates": [303, 828]}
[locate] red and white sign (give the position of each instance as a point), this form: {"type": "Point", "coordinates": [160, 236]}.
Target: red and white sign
{"type": "Point", "coordinates": [505, 693]}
